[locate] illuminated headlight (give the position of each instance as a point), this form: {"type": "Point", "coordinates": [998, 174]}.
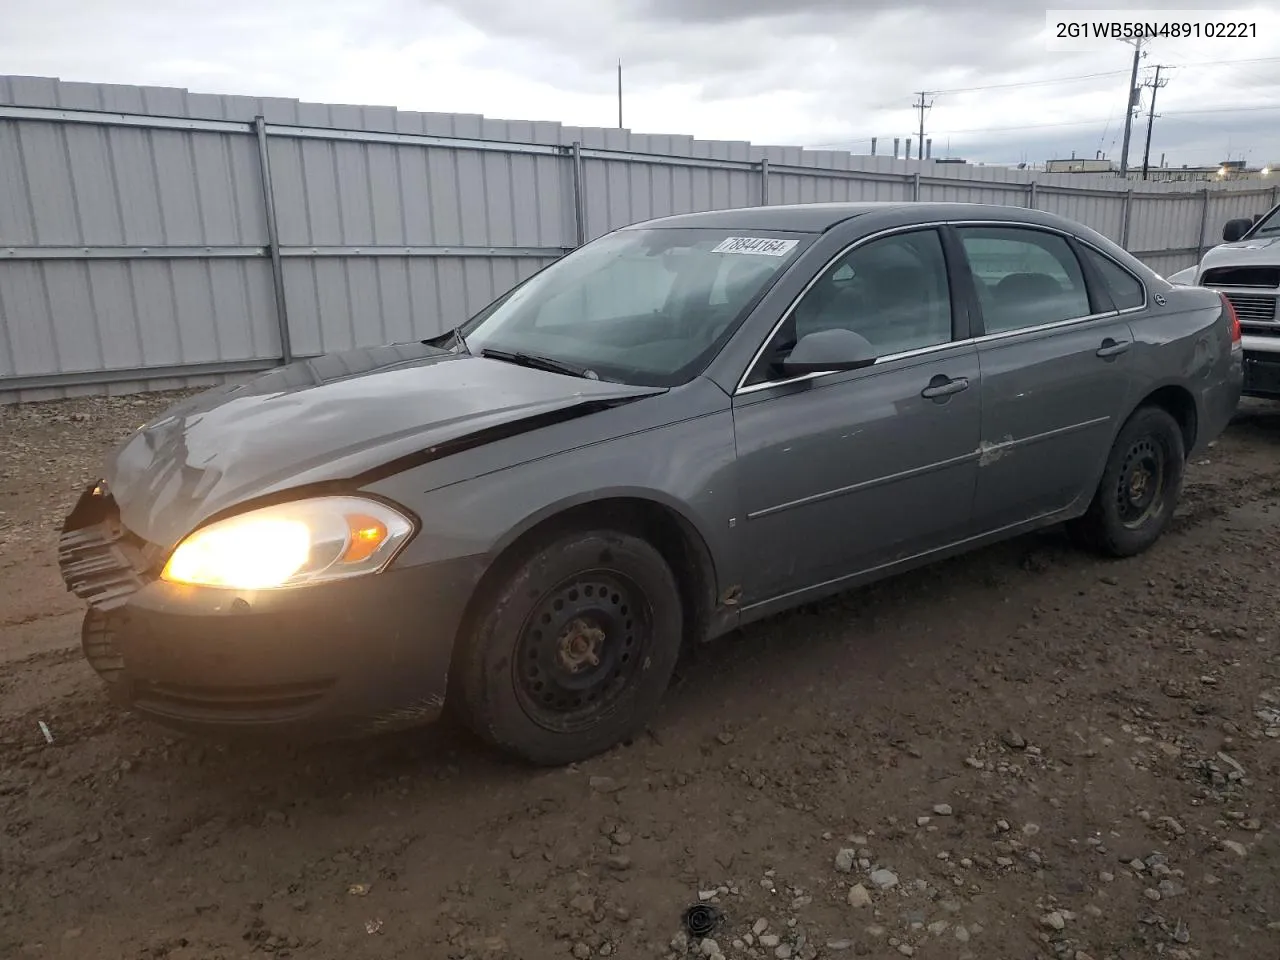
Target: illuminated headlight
{"type": "Point", "coordinates": [291, 544]}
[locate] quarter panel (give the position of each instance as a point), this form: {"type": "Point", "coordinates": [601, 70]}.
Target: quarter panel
{"type": "Point", "coordinates": [1186, 342]}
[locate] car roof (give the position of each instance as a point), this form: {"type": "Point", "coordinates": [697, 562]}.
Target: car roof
{"type": "Point", "coordinates": [819, 217]}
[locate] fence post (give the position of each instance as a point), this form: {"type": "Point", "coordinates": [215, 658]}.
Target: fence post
{"type": "Point", "coordinates": [764, 181]}
{"type": "Point", "coordinates": [1128, 211]}
{"type": "Point", "coordinates": [579, 205]}
{"type": "Point", "coordinates": [273, 241]}
{"type": "Point", "coordinates": [916, 187]}
{"type": "Point", "coordinates": [1031, 200]}
{"type": "Point", "coordinates": [1204, 225]}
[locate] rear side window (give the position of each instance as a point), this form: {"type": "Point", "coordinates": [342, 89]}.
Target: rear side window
{"type": "Point", "coordinates": [1024, 278]}
{"type": "Point", "coordinates": [1124, 287]}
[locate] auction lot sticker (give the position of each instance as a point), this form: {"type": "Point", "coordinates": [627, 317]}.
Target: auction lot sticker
{"type": "Point", "coordinates": [764, 246]}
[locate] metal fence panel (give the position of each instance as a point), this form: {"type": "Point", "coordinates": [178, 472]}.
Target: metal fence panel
{"type": "Point", "coordinates": [336, 303]}
{"type": "Point", "coordinates": [153, 237]}
{"type": "Point", "coordinates": [143, 314]}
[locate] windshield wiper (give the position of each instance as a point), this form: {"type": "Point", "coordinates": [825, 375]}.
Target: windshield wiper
{"type": "Point", "coordinates": [540, 363]}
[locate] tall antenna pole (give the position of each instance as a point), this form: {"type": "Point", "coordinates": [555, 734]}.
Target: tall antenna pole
{"type": "Point", "coordinates": [619, 94]}
{"type": "Point", "coordinates": [1130, 97]}
{"type": "Point", "coordinates": [1155, 85]}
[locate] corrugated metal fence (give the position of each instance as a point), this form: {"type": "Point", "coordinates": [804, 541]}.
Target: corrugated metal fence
{"type": "Point", "coordinates": [153, 238]}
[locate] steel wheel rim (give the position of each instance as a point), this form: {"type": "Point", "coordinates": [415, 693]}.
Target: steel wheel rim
{"type": "Point", "coordinates": [1140, 490]}
{"type": "Point", "coordinates": [580, 648]}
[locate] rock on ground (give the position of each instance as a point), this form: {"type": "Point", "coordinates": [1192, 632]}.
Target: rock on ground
{"type": "Point", "coordinates": [1055, 700]}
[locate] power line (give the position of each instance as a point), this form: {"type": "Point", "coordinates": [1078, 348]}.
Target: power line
{"type": "Point", "coordinates": [1078, 123]}
{"type": "Point", "coordinates": [1259, 108]}
{"type": "Point", "coordinates": [1216, 63]}
{"type": "Point", "coordinates": [1187, 113]}
{"type": "Point", "coordinates": [1034, 83]}
{"type": "Point", "coordinates": [1049, 81]}
{"type": "Point", "coordinates": [921, 106]}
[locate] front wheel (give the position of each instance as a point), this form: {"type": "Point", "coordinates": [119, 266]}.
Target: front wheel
{"type": "Point", "coordinates": [572, 651]}
{"type": "Point", "coordinates": [1139, 488]}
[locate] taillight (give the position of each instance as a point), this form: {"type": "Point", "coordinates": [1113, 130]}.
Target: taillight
{"type": "Point", "coordinates": [1232, 316]}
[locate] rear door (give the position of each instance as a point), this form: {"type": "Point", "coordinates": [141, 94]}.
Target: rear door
{"type": "Point", "coordinates": [1056, 372]}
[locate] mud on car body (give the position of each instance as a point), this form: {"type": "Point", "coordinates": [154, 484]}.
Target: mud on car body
{"type": "Point", "coordinates": [679, 428]}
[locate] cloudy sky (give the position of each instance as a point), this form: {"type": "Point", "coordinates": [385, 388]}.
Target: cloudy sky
{"type": "Point", "coordinates": [812, 72]}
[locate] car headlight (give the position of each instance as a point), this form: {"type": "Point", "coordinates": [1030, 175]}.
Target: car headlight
{"type": "Point", "coordinates": [291, 544]}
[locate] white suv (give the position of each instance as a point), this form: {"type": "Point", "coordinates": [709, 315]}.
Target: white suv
{"type": "Point", "coordinates": [1246, 268]}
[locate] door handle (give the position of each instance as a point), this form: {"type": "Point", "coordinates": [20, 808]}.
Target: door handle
{"type": "Point", "coordinates": [1111, 348]}
{"type": "Point", "coordinates": [941, 386]}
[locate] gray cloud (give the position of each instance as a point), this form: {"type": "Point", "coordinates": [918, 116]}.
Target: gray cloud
{"type": "Point", "coordinates": [855, 67]}
{"type": "Point", "coordinates": [798, 71]}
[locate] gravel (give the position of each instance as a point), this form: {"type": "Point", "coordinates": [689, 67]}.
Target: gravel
{"type": "Point", "coordinates": [883, 879]}
{"type": "Point", "coordinates": [1029, 741]}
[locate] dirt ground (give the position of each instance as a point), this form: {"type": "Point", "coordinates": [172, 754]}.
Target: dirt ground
{"type": "Point", "coordinates": [1022, 753]}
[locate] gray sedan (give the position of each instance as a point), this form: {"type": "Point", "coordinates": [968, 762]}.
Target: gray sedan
{"type": "Point", "coordinates": [683, 426]}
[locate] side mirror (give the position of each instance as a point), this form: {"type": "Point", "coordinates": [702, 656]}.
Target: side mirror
{"type": "Point", "coordinates": [1236, 229]}
{"type": "Point", "coordinates": [829, 351]}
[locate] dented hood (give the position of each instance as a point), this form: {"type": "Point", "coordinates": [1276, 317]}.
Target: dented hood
{"type": "Point", "coordinates": [332, 418]}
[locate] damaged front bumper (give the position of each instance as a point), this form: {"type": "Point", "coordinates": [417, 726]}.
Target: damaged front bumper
{"type": "Point", "coordinates": [366, 654]}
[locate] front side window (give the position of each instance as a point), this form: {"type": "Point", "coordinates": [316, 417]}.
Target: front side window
{"type": "Point", "coordinates": [893, 292]}
{"type": "Point", "coordinates": [646, 306]}
{"type": "Point", "coordinates": [1024, 278]}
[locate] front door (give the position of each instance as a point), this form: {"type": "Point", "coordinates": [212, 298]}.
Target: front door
{"type": "Point", "coordinates": [845, 472]}
{"type": "Point", "coordinates": [1055, 374]}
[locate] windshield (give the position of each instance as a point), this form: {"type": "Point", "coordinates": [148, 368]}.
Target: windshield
{"type": "Point", "coordinates": [1269, 226]}
{"type": "Point", "coordinates": [647, 306]}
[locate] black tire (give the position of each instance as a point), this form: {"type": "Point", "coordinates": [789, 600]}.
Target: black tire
{"type": "Point", "coordinates": [1139, 489]}
{"type": "Point", "coordinates": [572, 651]}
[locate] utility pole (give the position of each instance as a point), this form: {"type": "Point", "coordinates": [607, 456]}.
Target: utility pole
{"type": "Point", "coordinates": [922, 107]}
{"type": "Point", "coordinates": [619, 94]}
{"type": "Point", "coordinates": [1155, 85]}
{"type": "Point", "coordinates": [1130, 97]}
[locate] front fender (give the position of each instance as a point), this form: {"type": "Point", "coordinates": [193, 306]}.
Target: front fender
{"type": "Point", "coordinates": [686, 467]}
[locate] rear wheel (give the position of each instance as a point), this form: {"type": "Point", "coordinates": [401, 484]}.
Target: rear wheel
{"type": "Point", "coordinates": [1139, 488]}
{"type": "Point", "coordinates": [574, 648]}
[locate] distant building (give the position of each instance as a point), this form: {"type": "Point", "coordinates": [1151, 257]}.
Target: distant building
{"type": "Point", "coordinates": [1180, 174]}
{"type": "Point", "coordinates": [1227, 170]}
{"type": "Point", "coordinates": [1081, 165]}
